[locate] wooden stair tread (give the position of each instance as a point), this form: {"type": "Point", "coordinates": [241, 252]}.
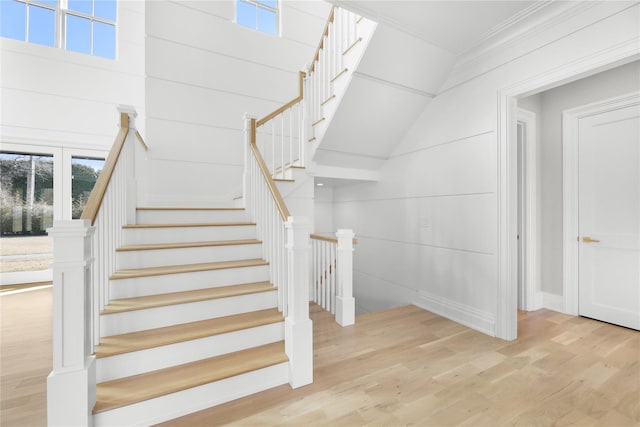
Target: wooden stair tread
{"type": "Point", "coordinates": [194, 224]}
{"type": "Point", "coordinates": [155, 246]}
{"type": "Point", "coordinates": [154, 208]}
{"type": "Point", "coordinates": [141, 340]}
{"type": "Point", "coordinates": [126, 391]}
{"type": "Point", "coordinates": [162, 300]}
{"type": "Point", "coordinates": [185, 268]}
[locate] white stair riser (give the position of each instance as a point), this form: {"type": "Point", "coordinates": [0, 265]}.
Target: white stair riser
{"type": "Point", "coordinates": [137, 236]}
{"type": "Point", "coordinates": [175, 405]}
{"type": "Point", "coordinates": [123, 365]}
{"type": "Point", "coordinates": [189, 216]}
{"type": "Point", "coordinates": [151, 285]}
{"type": "Point", "coordinates": [178, 256]}
{"type": "Point", "coordinates": [140, 320]}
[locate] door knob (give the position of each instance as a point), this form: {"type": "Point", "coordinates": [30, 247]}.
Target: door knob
{"type": "Point", "coordinates": [587, 239]}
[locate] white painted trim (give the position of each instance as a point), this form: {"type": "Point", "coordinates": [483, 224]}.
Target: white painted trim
{"type": "Point", "coordinates": [550, 301]}
{"type": "Point", "coordinates": [479, 320]}
{"type": "Point", "coordinates": [19, 277]}
{"type": "Point", "coordinates": [507, 209]}
{"type": "Point", "coordinates": [530, 237]}
{"type": "Point", "coordinates": [570, 252]}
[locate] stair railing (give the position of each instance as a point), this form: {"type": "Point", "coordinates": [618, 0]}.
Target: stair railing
{"type": "Point", "coordinates": [83, 260]}
{"type": "Point", "coordinates": [280, 136]}
{"type": "Point", "coordinates": [332, 274]}
{"type": "Point", "coordinates": [285, 242]}
{"type": "Point", "coordinates": [339, 37]}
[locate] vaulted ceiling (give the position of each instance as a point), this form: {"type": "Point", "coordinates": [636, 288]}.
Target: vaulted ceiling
{"type": "Point", "coordinates": [457, 26]}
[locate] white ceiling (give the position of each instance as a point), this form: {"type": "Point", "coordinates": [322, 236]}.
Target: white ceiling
{"type": "Point", "coordinates": [456, 26]}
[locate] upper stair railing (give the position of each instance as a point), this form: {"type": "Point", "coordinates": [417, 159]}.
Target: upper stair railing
{"type": "Point", "coordinates": [83, 260]}
{"type": "Point", "coordinates": [339, 37]}
{"type": "Point", "coordinates": [282, 135]}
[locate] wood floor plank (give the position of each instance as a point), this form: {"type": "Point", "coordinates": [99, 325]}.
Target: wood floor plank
{"type": "Point", "coordinates": [157, 246]}
{"type": "Point", "coordinates": [185, 268]}
{"type": "Point", "coordinates": [379, 370]}
{"type": "Point", "coordinates": [135, 341]}
{"type": "Point", "coordinates": [138, 388]}
{"type": "Point", "coordinates": [407, 366]}
{"type": "Point", "coordinates": [184, 297]}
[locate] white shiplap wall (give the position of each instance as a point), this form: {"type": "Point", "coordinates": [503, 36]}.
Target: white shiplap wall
{"type": "Point", "coordinates": [203, 73]}
{"type": "Point", "coordinates": [428, 230]}
{"type": "Point", "coordinates": [66, 99]}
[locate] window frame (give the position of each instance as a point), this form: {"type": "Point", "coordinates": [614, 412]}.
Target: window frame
{"type": "Point", "coordinates": [61, 12]}
{"type": "Point", "coordinates": [259, 5]}
{"type": "Point", "coordinates": [62, 21]}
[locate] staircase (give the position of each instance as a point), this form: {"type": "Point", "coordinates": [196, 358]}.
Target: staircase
{"type": "Point", "coordinates": [163, 311]}
{"type": "Point", "coordinates": [193, 320]}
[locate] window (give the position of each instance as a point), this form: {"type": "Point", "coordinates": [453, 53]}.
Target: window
{"type": "Point", "coordinates": [90, 27]}
{"type": "Point", "coordinates": [30, 21]}
{"type": "Point", "coordinates": [26, 211]}
{"type": "Point", "coordinates": [84, 174]}
{"type": "Point", "coordinates": [261, 15]}
{"type": "Point", "coordinates": [85, 26]}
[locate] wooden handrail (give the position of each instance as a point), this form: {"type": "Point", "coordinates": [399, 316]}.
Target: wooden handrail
{"type": "Point", "coordinates": [277, 197]}
{"type": "Point", "coordinates": [92, 207]}
{"type": "Point", "coordinates": [141, 140]}
{"type": "Point", "coordinates": [325, 33]}
{"type": "Point", "coordinates": [288, 105]}
{"type": "Point", "coordinates": [330, 239]}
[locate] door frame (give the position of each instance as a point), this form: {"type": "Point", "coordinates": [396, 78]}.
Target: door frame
{"type": "Point", "coordinates": [570, 229]}
{"type": "Point", "coordinates": [529, 235]}
{"type": "Point", "coordinates": [506, 321]}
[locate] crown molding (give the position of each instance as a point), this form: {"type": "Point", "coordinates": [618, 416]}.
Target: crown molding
{"type": "Point", "coordinates": [520, 28]}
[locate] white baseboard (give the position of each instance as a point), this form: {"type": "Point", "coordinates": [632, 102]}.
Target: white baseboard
{"type": "Point", "coordinates": [19, 277]}
{"type": "Point", "coordinates": [550, 301]}
{"type": "Point", "coordinates": [469, 316]}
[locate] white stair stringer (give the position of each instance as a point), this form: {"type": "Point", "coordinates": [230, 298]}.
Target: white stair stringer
{"type": "Point", "coordinates": [366, 29]}
{"type": "Point", "coordinates": [159, 317]}
{"type": "Point", "coordinates": [194, 399]}
{"type": "Point", "coordinates": [151, 359]}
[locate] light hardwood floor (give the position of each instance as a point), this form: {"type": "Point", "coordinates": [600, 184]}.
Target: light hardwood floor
{"type": "Point", "coordinates": [400, 367]}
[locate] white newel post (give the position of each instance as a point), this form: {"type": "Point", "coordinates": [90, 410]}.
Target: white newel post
{"type": "Point", "coordinates": [71, 385]}
{"type": "Point", "coordinates": [129, 152]}
{"type": "Point", "coordinates": [298, 326]}
{"type": "Point", "coordinates": [345, 303]}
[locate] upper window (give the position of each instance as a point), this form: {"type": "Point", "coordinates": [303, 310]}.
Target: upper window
{"type": "Point", "coordinates": [261, 15]}
{"type": "Point", "coordinates": [85, 26]}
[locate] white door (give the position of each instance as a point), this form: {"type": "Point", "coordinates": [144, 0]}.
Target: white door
{"type": "Point", "coordinates": [609, 216]}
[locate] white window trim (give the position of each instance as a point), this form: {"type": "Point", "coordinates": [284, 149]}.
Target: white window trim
{"type": "Point", "coordinates": [61, 11]}
{"type": "Point", "coordinates": [259, 5]}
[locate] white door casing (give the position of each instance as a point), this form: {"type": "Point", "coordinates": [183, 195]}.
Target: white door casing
{"type": "Point", "coordinates": [528, 258]}
{"type": "Point", "coordinates": [601, 192]}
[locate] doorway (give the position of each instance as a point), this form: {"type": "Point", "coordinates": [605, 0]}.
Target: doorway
{"type": "Point", "coordinates": [507, 304]}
